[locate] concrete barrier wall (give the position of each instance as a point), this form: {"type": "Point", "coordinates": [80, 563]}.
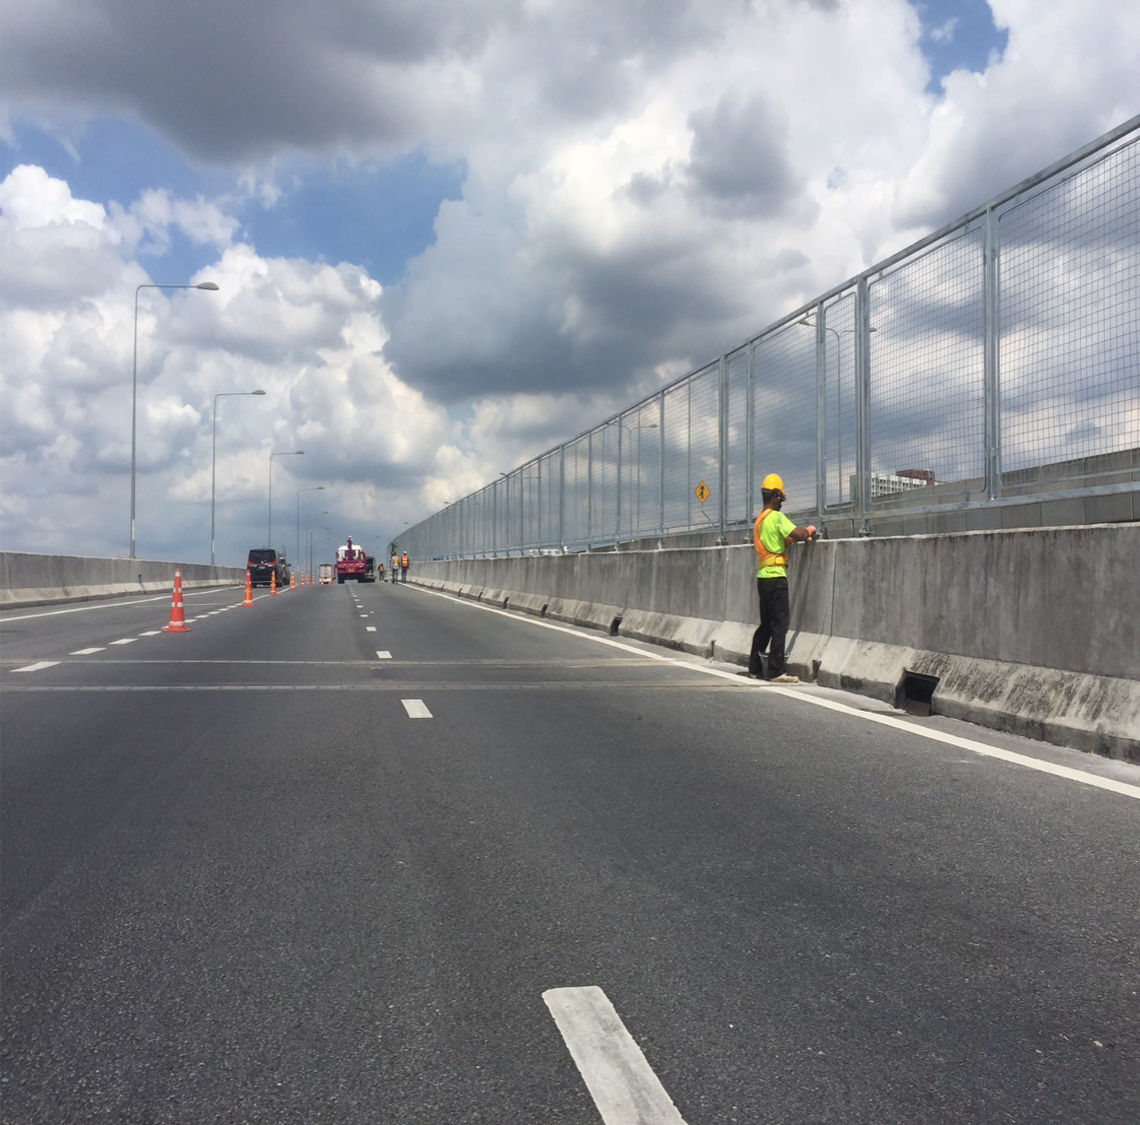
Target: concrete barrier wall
{"type": "Point", "coordinates": [1033, 631]}
{"type": "Point", "coordinates": [27, 579]}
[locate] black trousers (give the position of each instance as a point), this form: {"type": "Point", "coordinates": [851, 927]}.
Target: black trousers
{"type": "Point", "coordinates": [775, 613]}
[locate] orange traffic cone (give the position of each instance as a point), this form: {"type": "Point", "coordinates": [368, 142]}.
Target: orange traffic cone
{"type": "Point", "coordinates": [273, 583]}
{"type": "Point", "coordinates": [248, 589]}
{"type": "Point", "coordinates": [177, 613]}
{"type": "Point", "coordinates": [292, 580]}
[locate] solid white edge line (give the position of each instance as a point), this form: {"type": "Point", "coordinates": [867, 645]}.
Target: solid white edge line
{"type": "Point", "coordinates": [36, 667]}
{"type": "Point", "coordinates": [621, 1082]}
{"type": "Point", "coordinates": [981, 748]}
{"type": "Point", "coordinates": [116, 604]}
{"type": "Point", "coordinates": [416, 709]}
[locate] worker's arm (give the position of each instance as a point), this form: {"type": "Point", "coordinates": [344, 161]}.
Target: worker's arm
{"type": "Point", "coordinates": [801, 534]}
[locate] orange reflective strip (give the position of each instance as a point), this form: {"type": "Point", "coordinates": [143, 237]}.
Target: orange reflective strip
{"type": "Point", "coordinates": [767, 558]}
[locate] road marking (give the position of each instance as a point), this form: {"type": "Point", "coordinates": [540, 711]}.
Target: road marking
{"type": "Point", "coordinates": [85, 651]}
{"type": "Point", "coordinates": [621, 1082]}
{"type": "Point", "coordinates": [416, 709]}
{"type": "Point", "coordinates": [125, 641]}
{"type": "Point", "coordinates": [37, 667]}
{"type": "Point", "coordinates": [364, 615]}
{"type": "Point", "coordinates": [981, 748]}
{"type": "Point", "coordinates": [116, 604]}
{"type": "Point", "coordinates": [383, 654]}
{"type": "Point", "coordinates": [370, 628]}
{"type": "Point", "coordinates": [151, 633]}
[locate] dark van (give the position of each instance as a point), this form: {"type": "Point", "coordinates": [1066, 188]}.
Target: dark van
{"type": "Point", "coordinates": [263, 563]}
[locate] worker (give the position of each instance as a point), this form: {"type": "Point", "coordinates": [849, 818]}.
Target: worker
{"type": "Point", "coordinates": [404, 567]}
{"type": "Point", "coordinates": [771, 534]}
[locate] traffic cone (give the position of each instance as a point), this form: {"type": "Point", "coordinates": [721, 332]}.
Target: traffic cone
{"type": "Point", "coordinates": [292, 580]}
{"type": "Point", "coordinates": [177, 613]}
{"type": "Point", "coordinates": [248, 589]}
{"type": "Point", "coordinates": [273, 583]}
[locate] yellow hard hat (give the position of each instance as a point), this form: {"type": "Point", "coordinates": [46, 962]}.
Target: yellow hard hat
{"type": "Point", "coordinates": [772, 483]}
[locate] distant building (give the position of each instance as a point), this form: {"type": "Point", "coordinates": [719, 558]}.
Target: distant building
{"type": "Point", "coordinates": [901, 480]}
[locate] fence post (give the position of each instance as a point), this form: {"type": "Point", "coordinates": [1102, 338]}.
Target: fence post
{"type": "Point", "coordinates": [821, 415]}
{"type": "Point", "coordinates": [661, 468]}
{"type": "Point", "coordinates": [992, 354]}
{"type": "Point", "coordinates": [863, 401]}
{"type": "Point", "coordinates": [723, 450]}
{"type": "Point", "coordinates": [750, 438]}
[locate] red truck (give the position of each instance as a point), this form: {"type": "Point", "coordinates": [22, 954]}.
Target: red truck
{"type": "Point", "coordinates": [350, 562]}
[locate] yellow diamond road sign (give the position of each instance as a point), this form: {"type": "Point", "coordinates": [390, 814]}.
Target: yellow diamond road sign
{"type": "Point", "coordinates": [702, 491]}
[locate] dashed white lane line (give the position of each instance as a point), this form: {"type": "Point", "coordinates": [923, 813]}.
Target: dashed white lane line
{"type": "Point", "coordinates": [621, 1082]}
{"type": "Point", "coordinates": [972, 745]}
{"type": "Point", "coordinates": [38, 666]}
{"type": "Point", "coordinates": [370, 628]}
{"type": "Point", "coordinates": [416, 709]}
{"type": "Point", "coordinates": [85, 651]}
{"type": "Point", "coordinates": [125, 641]}
{"type": "Point", "coordinates": [383, 654]}
{"type": "Point", "coordinates": [151, 633]}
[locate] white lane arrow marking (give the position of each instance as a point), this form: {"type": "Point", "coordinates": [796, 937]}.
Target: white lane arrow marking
{"type": "Point", "coordinates": [621, 1082]}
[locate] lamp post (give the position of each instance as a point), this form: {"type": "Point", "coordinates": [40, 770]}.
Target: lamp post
{"type": "Point", "coordinates": [214, 458]}
{"type": "Point", "coordinates": [290, 453]}
{"type": "Point", "coordinates": [317, 488]}
{"type": "Point", "coordinates": [325, 513]}
{"type": "Point", "coordinates": [207, 285]}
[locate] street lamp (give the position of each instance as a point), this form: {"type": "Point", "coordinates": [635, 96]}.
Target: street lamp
{"type": "Point", "coordinates": [214, 458]}
{"type": "Point", "coordinates": [317, 488]}
{"type": "Point", "coordinates": [290, 453]}
{"type": "Point", "coordinates": [207, 285]}
{"type": "Point", "coordinates": [325, 513]}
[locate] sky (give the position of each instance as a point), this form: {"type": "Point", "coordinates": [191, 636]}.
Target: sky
{"type": "Point", "coordinates": [448, 236]}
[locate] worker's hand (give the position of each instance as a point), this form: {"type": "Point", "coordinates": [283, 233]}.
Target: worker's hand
{"type": "Point", "coordinates": [810, 529]}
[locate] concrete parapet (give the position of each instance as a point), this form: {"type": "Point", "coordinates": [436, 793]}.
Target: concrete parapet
{"type": "Point", "coordinates": [1033, 631]}
{"type": "Point", "coordinates": [30, 580]}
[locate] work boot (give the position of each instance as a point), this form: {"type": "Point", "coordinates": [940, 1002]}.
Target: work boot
{"type": "Point", "coordinates": [786, 678]}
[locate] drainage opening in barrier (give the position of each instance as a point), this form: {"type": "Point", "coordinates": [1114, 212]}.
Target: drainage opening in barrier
{"type": "Point", "coordinates": [615, 625]}
{"type": "Point", "coordinates": [915, 693]}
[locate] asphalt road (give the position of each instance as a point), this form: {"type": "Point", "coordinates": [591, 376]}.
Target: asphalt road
{"type": "Point", "coordinates": [260, 872]}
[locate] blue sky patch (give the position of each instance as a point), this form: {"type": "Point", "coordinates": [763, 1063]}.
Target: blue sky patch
{"type": "Point", "coordinates": [956, 35]}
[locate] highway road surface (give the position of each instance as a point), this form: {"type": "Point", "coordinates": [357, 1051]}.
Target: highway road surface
{"type": "Point", "coordinates": [377, 854]}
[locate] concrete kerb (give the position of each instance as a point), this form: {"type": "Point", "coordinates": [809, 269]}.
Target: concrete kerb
{"type": "Point", "coordinates": [974, 610]}
{"type": "Point", "coordinates": [28, 580]}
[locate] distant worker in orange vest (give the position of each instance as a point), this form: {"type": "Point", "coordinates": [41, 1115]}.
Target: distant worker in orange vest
{"type": "Point", "coordinates": [404, 567]}
{"type": "Point", "coordinates": [771, 534]}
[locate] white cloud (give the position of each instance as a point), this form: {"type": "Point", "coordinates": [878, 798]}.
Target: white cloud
{"type": "Point", "coordinates": [647, 184]}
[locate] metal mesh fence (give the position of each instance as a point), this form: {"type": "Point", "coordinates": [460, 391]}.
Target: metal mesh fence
{"type": "Point", "coordinates": [1070, 318]}
{"type": "Point", "coordinates": [1000, 353]}
{"type": "Point", "coordinates": [927, 369]}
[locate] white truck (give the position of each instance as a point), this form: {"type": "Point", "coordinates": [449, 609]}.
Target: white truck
{"type": "Point", "coordinates": [326, 573]}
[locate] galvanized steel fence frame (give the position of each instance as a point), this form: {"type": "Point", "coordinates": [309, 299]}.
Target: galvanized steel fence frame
{"type": "Point", "coordinates": [998, 355]}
